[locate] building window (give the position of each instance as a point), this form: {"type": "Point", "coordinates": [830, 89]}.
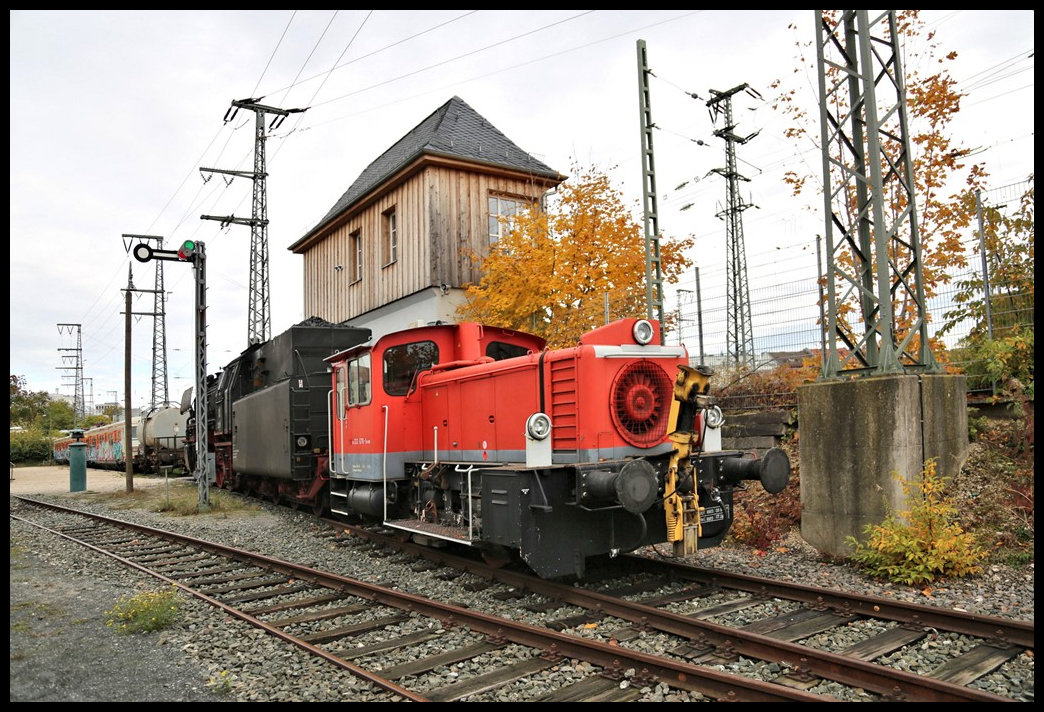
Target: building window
{"type": "Point", "coordinates": [390, 243]}
{"type": "Point", "coordinates": [355, 257]}
{"type": "Point", "coordinates": [502, 212]}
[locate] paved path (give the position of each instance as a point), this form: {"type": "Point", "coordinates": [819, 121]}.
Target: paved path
{"type": "Point", "coordinates": [55, 480]}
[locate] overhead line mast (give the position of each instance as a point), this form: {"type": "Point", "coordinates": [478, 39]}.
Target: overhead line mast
{"type": "Point", "coordinates": [259, 318]}
{"type": "Point", "coordinates": [653, 267]}
{"type": "Point", "coordinates": [739, 339]}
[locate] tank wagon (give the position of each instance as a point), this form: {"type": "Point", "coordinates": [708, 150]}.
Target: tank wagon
{"type": "Point", "coordinates": [157, 439]}
{"type": "Point", "coordinates": [162, 438]}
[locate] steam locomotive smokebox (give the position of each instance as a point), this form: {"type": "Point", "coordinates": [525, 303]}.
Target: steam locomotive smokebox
{"type": "Point", "coordinates": [280, 422]}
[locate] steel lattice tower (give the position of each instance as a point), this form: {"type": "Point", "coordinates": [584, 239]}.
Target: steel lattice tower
{"type": "Point", "coordinates": [76, 357]}
{"type": "Point", "coordinates": [88, 395]}
{"type": "Point", "coordinates": [739, 337]}
{"type": "Point", "coordinates": [160, 393]}
{"type": "Point", "coordinates": [873, 248]}
{"type": "Point", "coordinates": [259, 318]}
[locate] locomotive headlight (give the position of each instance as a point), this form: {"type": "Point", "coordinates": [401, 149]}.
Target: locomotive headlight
{"type": "Point", "coordinates": [715, 418]}
{"type": "Point", "coordinates": [538, 426]}
{"type": "Point", "coordinates": [642, 332]}
{"type": "Point", "coordinates": [302, 441]}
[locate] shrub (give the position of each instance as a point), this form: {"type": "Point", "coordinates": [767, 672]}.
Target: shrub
{"type": "Point", "coordinates": [922, 543]}
{"type": "Point", "coordinates": [975, 424]}
{"type": "Point", "coordinates": [762, 519]}
{"type": "Point", "coordinates": [146, 611]}
{"type": "Point", "coordinates": [742, 389]}
{"type": "Point", "coordinates": [30, 446]}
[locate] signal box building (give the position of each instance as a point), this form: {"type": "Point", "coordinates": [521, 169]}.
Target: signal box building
{"type": "Point", "coordinates": [397, 248]}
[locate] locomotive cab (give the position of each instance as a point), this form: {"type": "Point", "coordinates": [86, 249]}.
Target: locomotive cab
{"type": "Point", "coordinates": [385, 429]}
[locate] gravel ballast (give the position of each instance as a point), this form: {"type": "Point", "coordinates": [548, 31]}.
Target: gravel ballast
{"type": "Point", "coordinates": [62, 650]}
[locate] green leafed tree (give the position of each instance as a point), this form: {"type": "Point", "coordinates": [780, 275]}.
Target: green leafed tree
{"type": "Point", "coordinates": [38, 411]}
{"type": "Point", "coordinates": [999, 346]}
{"type": "Point", "coordinates": [26, 406]}
{"type": "Point", "coordinates": [553, 270]}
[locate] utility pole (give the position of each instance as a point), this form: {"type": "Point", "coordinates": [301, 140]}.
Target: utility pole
{"type": "Point", "coordinates": [739, 336]}
{"type": "Point", "coordinates": [259, 319]}
{"type": "Point", "coordinates": [699, 316]}
{"type": "Point", "coordinates": [653, 266]}
{"type": "Point", "coordinates": [681, 321]}
{"type": "Point", "coordinates": [77, 368]}
{"type": "Point", "coordinates": [160, 394]}
{"type": "Point", "coordinates": [128, 429]}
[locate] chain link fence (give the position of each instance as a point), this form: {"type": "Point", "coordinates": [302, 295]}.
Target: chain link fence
{"type": "Point", "coordinates": [786, 315]}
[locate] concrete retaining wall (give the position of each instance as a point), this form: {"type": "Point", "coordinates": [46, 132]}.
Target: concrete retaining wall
{"type": "Point", "coordinates": [858, 437]}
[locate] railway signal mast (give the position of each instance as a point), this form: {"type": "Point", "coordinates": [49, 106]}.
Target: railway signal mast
{"type": "Point", "coordinates": [191, 251]}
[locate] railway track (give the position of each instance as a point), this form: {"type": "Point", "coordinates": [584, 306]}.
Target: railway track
{"type": "Point", "coordinates": [721, 618]}
{"type": "Point", "coordinates": [598, 634]}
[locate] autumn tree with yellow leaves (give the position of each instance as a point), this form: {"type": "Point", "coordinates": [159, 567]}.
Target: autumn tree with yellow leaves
{"type": "Point", "coordinates": [553, 270]}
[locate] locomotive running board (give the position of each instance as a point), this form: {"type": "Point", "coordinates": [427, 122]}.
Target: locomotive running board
{"type": "Point", "coordinates": [439, 531]}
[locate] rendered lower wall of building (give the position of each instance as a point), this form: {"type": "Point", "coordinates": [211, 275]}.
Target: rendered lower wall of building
{"type": "Point", "coordinates": [425, 307]}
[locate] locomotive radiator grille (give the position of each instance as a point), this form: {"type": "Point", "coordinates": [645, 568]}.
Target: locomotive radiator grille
{"type": "Point", "coordinates": [564, 405]}
{"type": "Point", "coordinates": [641, 403]}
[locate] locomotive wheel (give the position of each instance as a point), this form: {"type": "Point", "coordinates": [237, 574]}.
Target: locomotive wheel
{"type": "Point", "coordinates": [402, 536]}
{"type": "Point", "coordinates": [496, 556]}
{"type": "Point", "coordinates": [320, 506]}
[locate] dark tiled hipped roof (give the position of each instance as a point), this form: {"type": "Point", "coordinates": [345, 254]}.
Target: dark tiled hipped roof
{"type": "Point", "coordinates": [454, 130]}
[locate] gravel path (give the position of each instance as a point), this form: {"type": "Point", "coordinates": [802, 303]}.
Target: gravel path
{"type": "Point", "coordinates": [63, 651]}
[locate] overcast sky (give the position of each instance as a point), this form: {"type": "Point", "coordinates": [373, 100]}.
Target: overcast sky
{"type": "Point", "coordinates": [114, 113]}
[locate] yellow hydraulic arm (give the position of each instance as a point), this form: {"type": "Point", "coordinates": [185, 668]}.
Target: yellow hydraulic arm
{"type": "Point", "coordinates": [683, 508]}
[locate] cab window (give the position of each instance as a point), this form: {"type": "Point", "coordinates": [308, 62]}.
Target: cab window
{"type": "Point", "coordinates": [341, 388]}
{"type": "Point", "coordinates": [359, 380]}
{"type": "Point", "coordinates": [499, 350]}
{"type": "Point", "coordinates": [402, 363]}
{"type": "Point", "coordinates": [353, 383]}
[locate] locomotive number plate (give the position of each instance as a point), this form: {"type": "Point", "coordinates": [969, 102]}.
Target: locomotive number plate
{"type": "Point", "coordinates": [712, 514]}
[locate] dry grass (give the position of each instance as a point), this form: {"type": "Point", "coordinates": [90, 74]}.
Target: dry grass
{"type": "Point", "coordinates": [178, 498]}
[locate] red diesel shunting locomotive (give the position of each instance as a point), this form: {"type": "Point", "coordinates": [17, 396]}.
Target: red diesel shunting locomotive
{"type": "Point", "coordinates": [478, 435]}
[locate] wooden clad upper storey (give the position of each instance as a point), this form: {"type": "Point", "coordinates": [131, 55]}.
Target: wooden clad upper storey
{"type": "Point", "coordinates": [405, 231]}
